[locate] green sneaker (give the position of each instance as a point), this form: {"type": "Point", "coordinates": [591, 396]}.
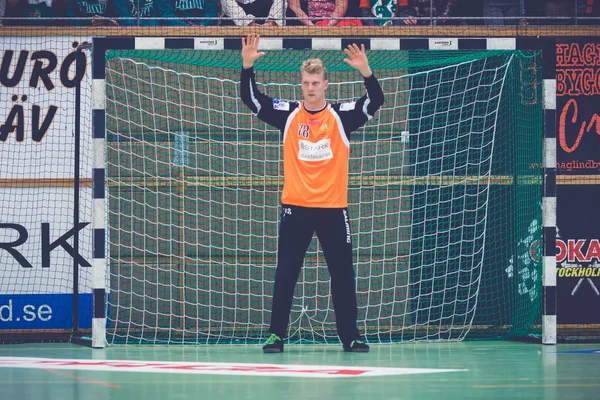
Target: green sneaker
{"type": "Point", "coordinates": [357, 346]}
{"type": "Point", "coordinates": [274, 344]}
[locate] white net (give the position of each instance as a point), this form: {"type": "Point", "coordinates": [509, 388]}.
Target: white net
{"type": "Point", "coordinates": [38, 77]}
{"type": "Point", "coordinates": [194, 186]}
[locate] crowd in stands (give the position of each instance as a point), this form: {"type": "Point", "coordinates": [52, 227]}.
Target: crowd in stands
{"type": "Point", "coordinates": [298, 12]}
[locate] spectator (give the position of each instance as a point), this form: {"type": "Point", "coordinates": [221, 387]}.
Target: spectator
{"type": "Point", "coordinates": [426, 12]}
{"type": "Point", "coordinates": [138, 12]}
{"type": "Point", "coordinates": [187, 12]}
{"type": "Point", "coordinates": [37, 12]}
{"type": "Point", "coordinates": [561, 12]}
{"type": "Point", "coordinates": [320, 13]}
{"type": "Point", "coordinates": [362, 12]}
{"type": "Point", "coordinates": [2, 10]}
{"type": "Point", "coordinates": [252, 12]}
{"type": "Point", "coordinates": [385, 10]}
{"type": "Point", "coordinates": [569, 11]}
{"type": "Point", "coordinates": [471, 12]}
{"type": "Point", "coordinates": [95, 12]}
{"type": "Point", "coordinates": [592, 9]}
{"type": "Point", "coordinates": [503, 12]}
{"type": "Point", "coordinates": [533, 10]}
{"type": "Point", "coordinates": [143, 12]}
{"type": "Point", "coordinates": [10, 9]}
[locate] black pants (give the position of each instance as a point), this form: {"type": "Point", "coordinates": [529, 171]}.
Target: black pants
{"type": "Point", "coordinates": [296, 229]}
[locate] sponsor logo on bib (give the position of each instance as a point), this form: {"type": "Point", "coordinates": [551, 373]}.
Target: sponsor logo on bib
{"type": "Point", "coordinates": [318, 151]}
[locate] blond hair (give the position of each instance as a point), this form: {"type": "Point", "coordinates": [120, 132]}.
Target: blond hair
{"type": "Point", "coordinates": [314, 66]}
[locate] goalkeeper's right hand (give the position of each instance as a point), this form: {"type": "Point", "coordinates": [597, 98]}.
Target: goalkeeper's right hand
{"type": "Point", "coordinates": [250, 51]}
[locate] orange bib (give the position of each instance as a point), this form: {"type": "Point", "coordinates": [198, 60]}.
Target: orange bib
{"type": "Point", "coordinates": [315, 160]}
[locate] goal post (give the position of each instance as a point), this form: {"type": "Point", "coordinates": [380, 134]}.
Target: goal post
{"type": "Point", "coordinates": [452, 209]}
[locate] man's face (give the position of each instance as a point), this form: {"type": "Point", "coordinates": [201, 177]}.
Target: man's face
{"type": "Point", "coordinates": [313, 87]}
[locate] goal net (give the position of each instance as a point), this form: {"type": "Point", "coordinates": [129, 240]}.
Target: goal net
{"type": "Point", "coordinates": [45, 188]}
{"type": "Point", "coordinates": [445, 185]}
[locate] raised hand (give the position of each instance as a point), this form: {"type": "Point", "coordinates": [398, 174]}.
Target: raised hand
{"type": "Point", "coordinates": [250, 51]}
{"type": "Point", "coordinates": [358, 59]}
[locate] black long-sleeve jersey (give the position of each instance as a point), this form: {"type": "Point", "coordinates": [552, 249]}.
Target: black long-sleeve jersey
{"type": "Point", "coordinates": [316, 145]}
{"type": "Point", "coordinates": [276, 112]}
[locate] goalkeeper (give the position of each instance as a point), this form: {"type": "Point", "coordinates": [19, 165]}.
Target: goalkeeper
{"type": "Point", "coordinates": [316, 151]}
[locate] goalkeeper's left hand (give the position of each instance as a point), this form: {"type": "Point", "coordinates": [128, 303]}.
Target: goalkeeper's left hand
{"type": "Point", "coordinates": [358, 59]}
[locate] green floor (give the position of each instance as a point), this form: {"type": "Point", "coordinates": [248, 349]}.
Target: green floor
{"type": "Point", "coordinates": [494, 370]}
